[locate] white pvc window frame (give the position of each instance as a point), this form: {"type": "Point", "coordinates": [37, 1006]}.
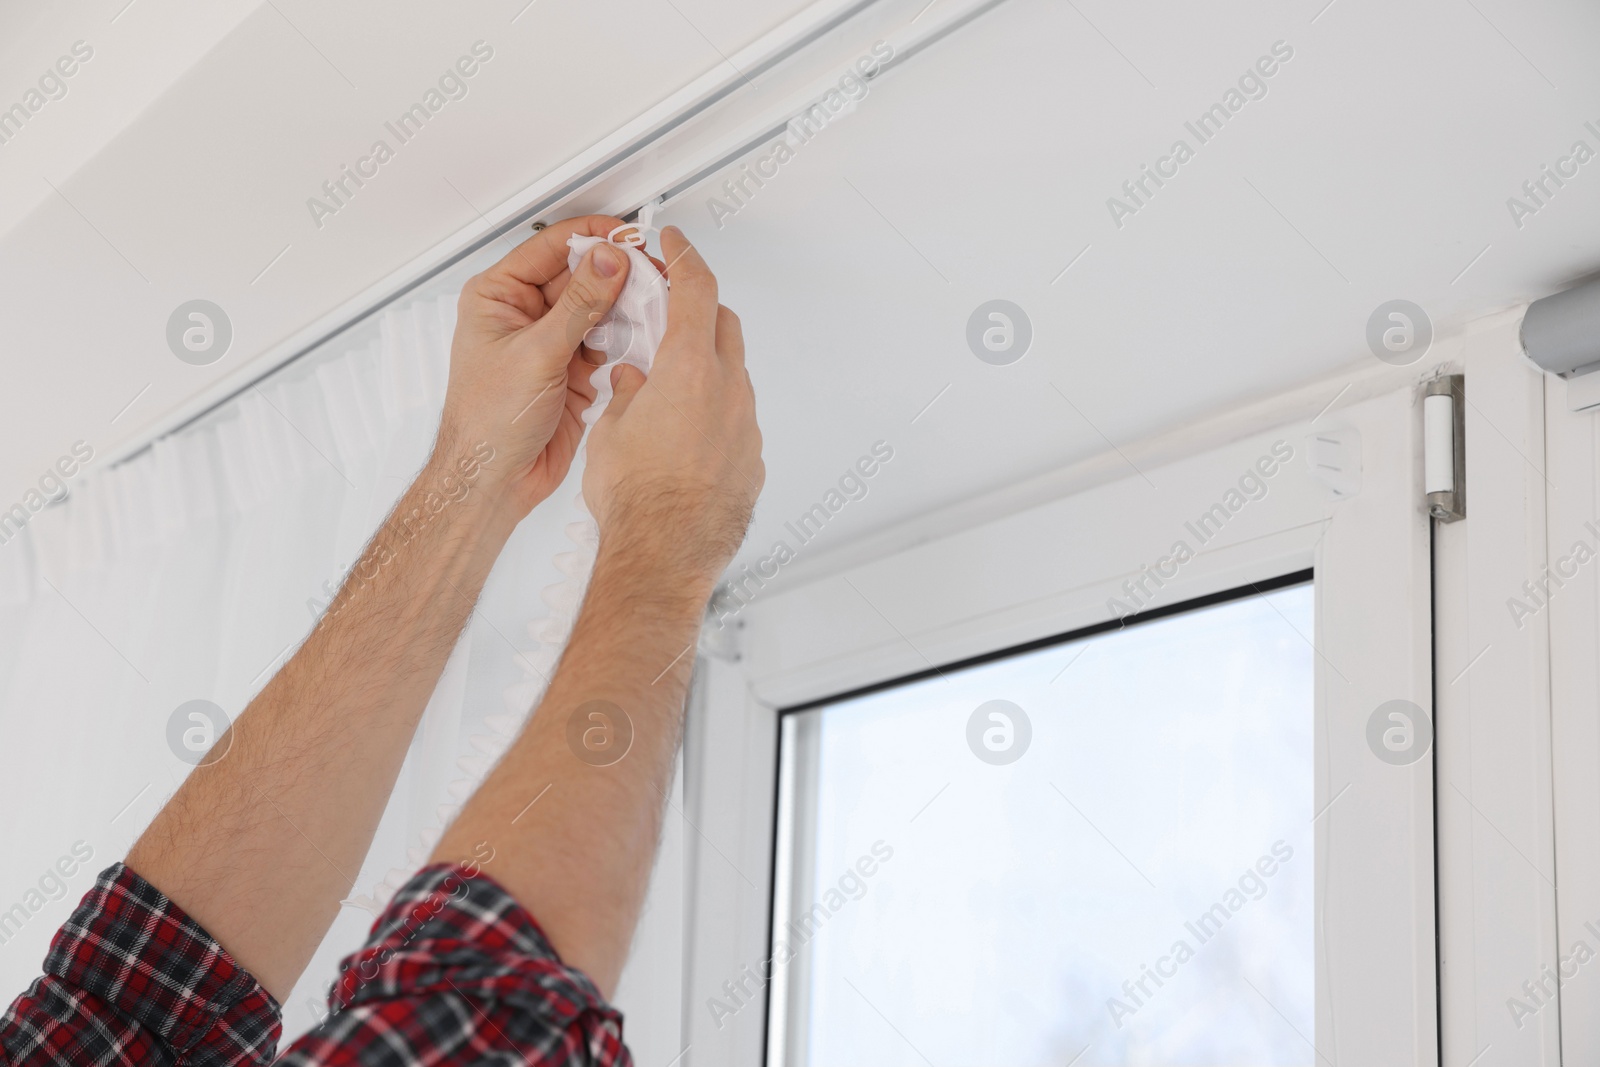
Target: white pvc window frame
{"type": "Point", "coordinates": [1049, 569]}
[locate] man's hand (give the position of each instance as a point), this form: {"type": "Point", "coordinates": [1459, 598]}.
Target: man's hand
{"type": "Point", "coordinates": [674, 465]}
{"type": "Point", "coordinates": [673, 471]}
{"type": "Point", "coordinates": [261, 845]}
{"type": "Point", "coordinates": [519, 374]}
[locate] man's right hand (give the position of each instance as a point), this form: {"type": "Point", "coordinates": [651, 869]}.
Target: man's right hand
{"type": "Point", "coordinates": [674, 465]}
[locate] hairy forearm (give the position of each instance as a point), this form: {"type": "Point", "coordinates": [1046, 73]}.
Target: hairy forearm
{"type": "Point", "coordinates": [570, 835]}
{"type": "Point", "coordinates": [261, 844]}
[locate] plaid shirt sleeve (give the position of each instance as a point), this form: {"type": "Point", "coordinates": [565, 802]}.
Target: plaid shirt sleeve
{"type": "Point", "coordinates": [454, 972]}
{"type": "Point", "coordinates": [131, 979]}
{"type": "Point", "coordinates": [457, 972]}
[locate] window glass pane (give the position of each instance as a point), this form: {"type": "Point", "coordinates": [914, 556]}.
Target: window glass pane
{"type": "Point", "coordinates": [1136, 887]}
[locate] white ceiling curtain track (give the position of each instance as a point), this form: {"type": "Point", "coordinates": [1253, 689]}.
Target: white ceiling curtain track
{"type": "Point", "coordinates": [670, 151]}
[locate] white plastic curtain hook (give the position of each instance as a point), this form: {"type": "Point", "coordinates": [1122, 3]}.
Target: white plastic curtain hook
{"type": "Point", "coordinates": [642, 225]}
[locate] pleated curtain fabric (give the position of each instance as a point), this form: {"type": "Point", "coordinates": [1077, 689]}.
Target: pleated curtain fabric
{"type": "Point", "coordinates": [192, 571]}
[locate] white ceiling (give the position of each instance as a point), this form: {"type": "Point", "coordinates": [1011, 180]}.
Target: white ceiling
{"type": "Point", "coordinates": [1378, 166]}
{"type": "Point", "coordinates": [138, 53]}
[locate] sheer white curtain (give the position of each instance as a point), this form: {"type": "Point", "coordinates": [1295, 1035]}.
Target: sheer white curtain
{"type": "Point", "coordinates": [192, 572]}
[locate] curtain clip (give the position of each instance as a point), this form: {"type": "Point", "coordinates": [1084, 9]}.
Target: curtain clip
{"type": "Point", "coordinates": [643, 224]}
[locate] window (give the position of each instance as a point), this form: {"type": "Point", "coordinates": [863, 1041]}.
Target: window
{"type": "Point", "coordinates": [1156, 736]}
{"type": "Point", "coordinates": [1098, 851]}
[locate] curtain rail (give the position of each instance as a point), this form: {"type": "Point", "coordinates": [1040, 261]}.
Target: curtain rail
{"type": "Point", "coordinates": [593, 175]}
{"type": "Point", "coordinates": [617, 159]}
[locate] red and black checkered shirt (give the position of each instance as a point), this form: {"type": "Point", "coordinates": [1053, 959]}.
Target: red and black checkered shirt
{"type": "Point", "coordinates": [454, 972]}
